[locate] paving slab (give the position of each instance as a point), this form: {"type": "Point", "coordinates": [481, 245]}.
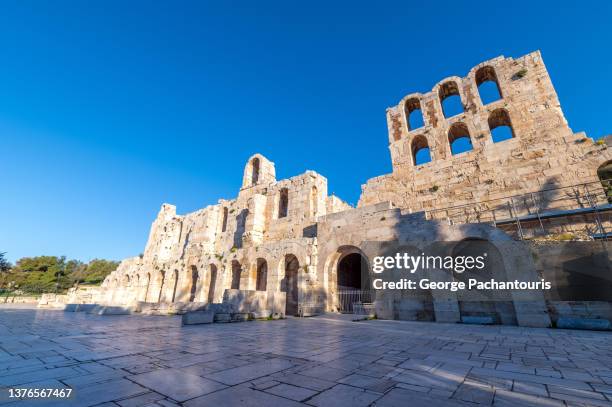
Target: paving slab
{"type": "Point", "coordinates": [176, 384]}
{"type": "Point", "coordinates": [241, 397]}
{"type": "Point", "coordinates": [129, 360]}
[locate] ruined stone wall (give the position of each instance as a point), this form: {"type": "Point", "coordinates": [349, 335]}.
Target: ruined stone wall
{"type": "Point", "coordinates": [543, 154]}
{"type": "Point", "coordinates": [194, 257]}
{"type": "Point", "coordinates": [289, 236]}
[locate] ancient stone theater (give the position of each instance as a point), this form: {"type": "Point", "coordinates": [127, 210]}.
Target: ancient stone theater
{"type": "Point", "coordinates": [287, 247]}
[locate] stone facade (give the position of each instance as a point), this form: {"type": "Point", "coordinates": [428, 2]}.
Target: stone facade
{"type": "Point", "coordinates": [543, 154]}
{"type": "Point", "coordinates": [289, 236]}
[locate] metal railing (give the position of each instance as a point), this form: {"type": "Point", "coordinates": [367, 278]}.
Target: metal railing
{"type": "Point", "coordinates": [348, 298]}
{"type": "Point", "coordinates": [592, 200]}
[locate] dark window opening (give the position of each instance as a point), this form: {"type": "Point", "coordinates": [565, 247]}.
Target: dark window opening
{"type": "Point", "coordinates": [500, 125]}
{"type": "Point", "coordinates": [450, 99]}
{"type": "Point", "coordinates": [488, 85]}
{"type": "Point", "coordinates": [459, 138]}
{"type": "Point", "coordinates": [236, 270]}
{"type": "Point", "coordinates": [255, 171]}
{"type": "Point", "coordinates": [224, 224]}
{"type": "Point", "coordinates": [213, 283]}
{"type": "Point", "coordinates": [420, 150]}
{"type": "Point", "coordinates": [283, 203]}
{"type": "Point", "coordinates": [262, 275]}
{"type": "Point", "coordinates": [194, 283]}
{"type": "Point", "coordinates": [414, 115]}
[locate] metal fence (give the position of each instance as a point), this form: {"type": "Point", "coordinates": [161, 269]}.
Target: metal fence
{"type": "Point", "coordinates": [348, 298]}
{"type": "Point", "coordinates": [591, 201]}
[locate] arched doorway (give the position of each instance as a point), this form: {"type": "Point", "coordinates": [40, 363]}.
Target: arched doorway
{"type": "Point", "coordinates": [352, 279]}
{"type": "Point", "coordinates": [162, 278]}
{"type": "Point", "coordinates": [496, 304]}
{"type": "Point", "coordinates": [261, 278]}
{"type": "Point", "coordinates": [289, 284]}
{"type": "Point", "coordinates": [194, 283]}
{"type": "Point", "coordinates": [236, 270]}
{"type": "Point", "coordinates": [146, 293]}
{"type": "Point", "coordinates": [174, 284]}
{"type": "Point", "coordinates": [213, 282]}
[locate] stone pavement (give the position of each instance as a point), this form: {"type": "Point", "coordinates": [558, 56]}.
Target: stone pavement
{"type": "Point", "coordinates": [133, 360]}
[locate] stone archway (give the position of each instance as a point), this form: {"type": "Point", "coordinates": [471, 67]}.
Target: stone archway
{"type": "Point", "coordinates": [146, 291]}
{"type": "Point", "coordinates": [174, 285]}
{"type": "Point", "coordinates": [289, 284]}
{"type": "Point", "coordinates": [162, 283]}
{"type": "Point", "coordinates": [497, 304]}
{"type": "Point", "coordinates": [349, 278]}
{"type": "Point", "coordinates": [261, 276]}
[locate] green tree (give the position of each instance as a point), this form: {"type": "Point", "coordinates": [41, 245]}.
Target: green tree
{"type": "Point", "coordinates": [5, 268]}
{"type": "Point", "coordinates": [41, 274]}
{"type": "Point", "coordinates": [97, 270]}
{"type": "Point", "coordinates": [54, 274]}
{"type": "Point", "coordinates": [5, 265]}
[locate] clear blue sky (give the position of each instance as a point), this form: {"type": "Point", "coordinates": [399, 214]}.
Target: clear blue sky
{"type": "Point", "coordinates": [110, 108]}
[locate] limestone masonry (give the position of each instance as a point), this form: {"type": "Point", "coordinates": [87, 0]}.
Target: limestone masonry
{"type": "Point", "coordinates": [287, 247]}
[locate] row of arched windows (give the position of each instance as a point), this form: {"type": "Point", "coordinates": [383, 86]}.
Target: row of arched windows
{"type": "Point", "coordinates": [450, 97]}
{"type": "Point", "coordinates": [459, 137]}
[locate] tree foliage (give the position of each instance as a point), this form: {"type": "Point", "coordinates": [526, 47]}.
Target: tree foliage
{"type": "Point", "coordinates": [52, 274]}
{"type": "Point", "coordinates": [5, 265]}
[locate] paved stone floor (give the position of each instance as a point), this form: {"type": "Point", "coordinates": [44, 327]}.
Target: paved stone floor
{"type": "Point", "coordinates": [324, 361]}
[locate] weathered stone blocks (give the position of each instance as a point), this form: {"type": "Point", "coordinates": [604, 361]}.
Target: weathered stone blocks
{"type": "Point", "coordinates": [198, 317]}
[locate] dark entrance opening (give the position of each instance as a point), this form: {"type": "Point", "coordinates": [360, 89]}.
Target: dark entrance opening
{"type": "Point", "coordinates": [290, 284]}
{"type": "Point", "coordinates": [353, 282]}
{"type": "Point", "coordinates": [194, 283]}
{"type": "Point", "coordinates": [213, 281]}
{"type": "Point", "coordinates": [236, 270]}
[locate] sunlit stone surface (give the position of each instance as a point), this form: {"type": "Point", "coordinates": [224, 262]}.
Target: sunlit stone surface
{"type": "Point", "coordinates": [132, 360]}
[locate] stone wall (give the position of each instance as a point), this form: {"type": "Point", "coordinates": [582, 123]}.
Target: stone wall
{"type": "Point", "coordinates": [543, 154]}
{"type": "Point", "coordinates": [287, 238]}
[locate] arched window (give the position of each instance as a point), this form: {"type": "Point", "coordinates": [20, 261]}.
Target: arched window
{"type": "Point", "coordinates": [459, 138]}
{"type": "Point", "coordinates": [420, 150]}
{"type": "Point", "coordinates": [224, 224]}
{"type": "Point", "coordinates": [283, 203]}
{"type": "Point", "coordinates": [262, 275]}
{"type": "Point", "coordinates": [414, 115]}
{"type": "Point", "coordinates": [488, 85]}
{"type": "Point", "coordinates": [236, 270]}
{"type": "Point", "coordinates": [255, 171]}
{"type": "Point", "coordinates": [500, 125]}
{"type": "Point", "coordinates": [450, 99]}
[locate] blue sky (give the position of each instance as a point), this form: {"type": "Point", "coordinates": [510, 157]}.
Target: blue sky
{"type": "Point", "coordinates": [108, 109]}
